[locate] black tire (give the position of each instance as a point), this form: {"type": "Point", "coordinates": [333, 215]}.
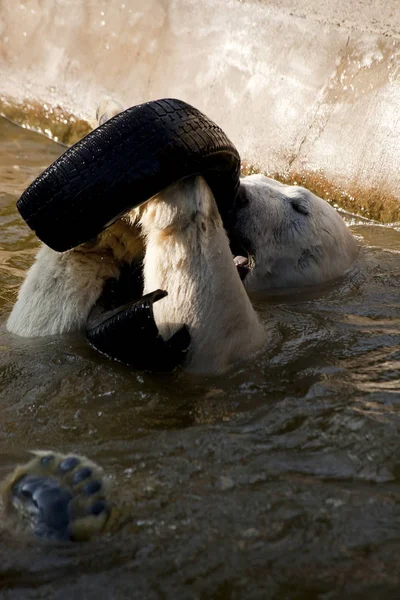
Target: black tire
{"type": "Point", "coordinates": [111, 333]}
{"type": "Point", "coordinates": [122, 164]}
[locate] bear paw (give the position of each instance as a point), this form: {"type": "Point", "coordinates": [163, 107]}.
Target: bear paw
{"type": "Point", "coordinates": [56, 496]}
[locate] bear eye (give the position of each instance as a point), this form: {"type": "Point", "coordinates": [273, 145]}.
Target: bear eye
{"type": "Point", "coordinates": [299, 206]}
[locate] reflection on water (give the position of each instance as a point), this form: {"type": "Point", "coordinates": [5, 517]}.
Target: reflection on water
{"type": "Point", "coordinates": [279, 480]}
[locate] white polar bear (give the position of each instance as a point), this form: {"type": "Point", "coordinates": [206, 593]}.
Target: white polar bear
{"type": "Point", "coordinates": [186, 253]}
{"type": "Point", "coordinates": [291, 239]}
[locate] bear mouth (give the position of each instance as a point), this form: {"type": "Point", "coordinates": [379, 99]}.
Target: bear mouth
{"type": "Point", "coordinates": [243, 255]}
{"type": "Point", "coordinates": [243, 265]}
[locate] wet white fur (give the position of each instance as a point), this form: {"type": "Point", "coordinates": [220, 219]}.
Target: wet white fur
{"type": "Point", "coordinates": [59, 292]}
{"type": "Point", "coordinates": [188, 254]}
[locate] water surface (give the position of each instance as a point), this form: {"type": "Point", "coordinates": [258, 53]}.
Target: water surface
{"type": "Point", "coordinates": [279, 480]}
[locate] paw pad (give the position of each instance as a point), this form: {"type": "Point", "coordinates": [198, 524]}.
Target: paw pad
{"type": "Point", "coordinates": [92, 487]}
{"type": "Point", "coordinates": [69, 463]}
{"type": "Point", "coordinates": [82, 474]}
{"type": "Point", "coordinates": [59, 497]}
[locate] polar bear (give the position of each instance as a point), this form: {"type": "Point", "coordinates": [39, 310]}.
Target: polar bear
{"type": "Point", "coordinates": [279, 236]}
{"type": "Point", "coordinates": [290, 237]}
{"type": "Point", "coordinates": [185, 250]}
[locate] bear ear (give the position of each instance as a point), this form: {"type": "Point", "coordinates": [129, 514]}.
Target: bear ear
{"type": "Point", "coordinates": [300, 205]}
{"type": "Point", "coordinates": [107, 109]}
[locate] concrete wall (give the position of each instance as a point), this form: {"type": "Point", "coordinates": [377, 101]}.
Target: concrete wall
{"type": "Point", "coordinates": [308, 90]}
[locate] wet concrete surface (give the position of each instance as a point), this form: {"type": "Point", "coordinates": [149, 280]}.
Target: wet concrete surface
{"type": "Point", "coordinates": [279, 480]}
{"type": "Point", "coordinates": [300, 87]}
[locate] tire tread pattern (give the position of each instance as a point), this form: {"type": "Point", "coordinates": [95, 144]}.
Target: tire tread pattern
{"type": "Point", "coordinates": [125, 162]}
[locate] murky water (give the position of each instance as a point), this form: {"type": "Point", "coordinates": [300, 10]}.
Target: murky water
{"type": "Point", "coordinates": [279, 480]}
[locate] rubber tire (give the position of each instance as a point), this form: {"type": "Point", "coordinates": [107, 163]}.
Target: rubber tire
{"type": "Point", "coordinates": [123, 163]}
{"type": "Point", "coordinates": [129, 334]}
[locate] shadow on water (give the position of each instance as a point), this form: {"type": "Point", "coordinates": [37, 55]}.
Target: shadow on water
{"type": "Point", "coordinates": [279, 480]}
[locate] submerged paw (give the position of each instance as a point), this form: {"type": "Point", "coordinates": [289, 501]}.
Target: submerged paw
{"type": "Point", "coordinates": [57, 496]}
